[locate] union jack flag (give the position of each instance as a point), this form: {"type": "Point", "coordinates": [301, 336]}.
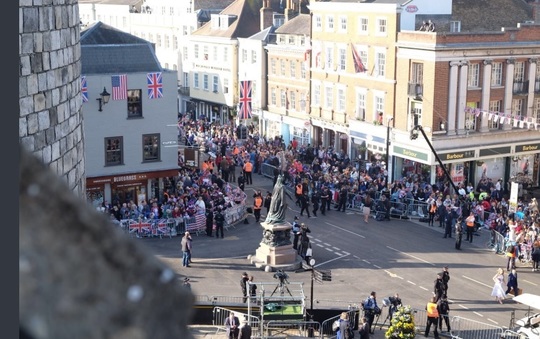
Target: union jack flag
{"type": "Point", "coordinates": [244, 104]}
{"type": "Point", "coordinates": [357, 59]}
{"type": "Point", "coordinates": [119, 87]}
{"type": "Point", "coordinates": [84, 88]}
{"type": "Point", "coordinates": [155, 85]}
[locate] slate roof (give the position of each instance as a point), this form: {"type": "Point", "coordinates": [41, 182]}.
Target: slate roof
{"type": "Point", "coordinates": [211, 4]}
{"type": "Point", "coordinates": [490, 15]}
{"type": "Point", "coordinates": [105, 49]}
{"type": "Point", "coordinates": [297, 25]}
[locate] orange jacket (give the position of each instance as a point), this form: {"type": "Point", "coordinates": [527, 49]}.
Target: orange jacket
{"type": "Point", "coordinates": [248, 167]}
{"type": "Point", "coordinates": [432, 311]}
{"type": "Point", "coordinates": [257, 203]}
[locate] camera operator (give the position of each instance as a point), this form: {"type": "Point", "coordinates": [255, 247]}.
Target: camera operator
{"type": "Point", "coordinates": [395, 302]}
{"type": "Point", "coordinates": [281, 276]}
{"type": "Point", "coordinates": [371, 309]}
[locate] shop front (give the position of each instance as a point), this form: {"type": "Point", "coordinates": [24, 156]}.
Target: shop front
{"type": "Point", "coordinates": [297, 128]}
{"type": "Point", "coordinates": [333, 135]}
{"type": "Point", "coordinates": [525, 163]}
{"type": "Point", "coordinates": [410, 163]}
{"type": "Point", "coordinates": [130, 187]}
{"type": "Point", "coordinates": [458, 164]}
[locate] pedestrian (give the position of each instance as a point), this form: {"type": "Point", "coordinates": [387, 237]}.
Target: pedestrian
{"type": "Point", "coordinates": [432, 211]}
{"type": "Point", "coordinates": [315, 199]}
{"type": "Point", "coordinates": [343, 195]}
{"type": "Point", "coordinates": [296, 232]}
{"type": "Point", "coordinates": [252, 287]}
{"type": "Point", "coordinates": [511, 255]}
{"type": "Point", "coordinates": [469, 221]}
{"type": "Point", "coordinates": [257, 205]}
{"type": "Point", "coordinates": [498, 283]}
{"type": "Point", "coordinates": [243, 286]}
{"type": "Point", "coordinates": [242, 181]}
{"type": "Point", "coordinates": [245, 330]}
{"type": "Point", "coordinates": [186, 283]}
{"type": "Point", "coordinates": [268, 201]}
{"type": "Point", "coordinates": [363, 329]}
{"type": "Point", "coordinates": [371, 309]}
{"type": "Point", "coordinates": [209, 222]}
{"type": "Point", "coordinates": [219, 219]}
{"type": "Point", "coordinates": [535, 256]}
{"type": "Point", "coordinates": [512, 283]}
{"type": "Point", "coordinates": [448, 220]}
{"type": "Point", "coordinates": [325, 196]}
{"type": "Point", "coordinates": [432, 317]}
{"type": "Point", "coordinates": [368, 203]}
{"type": "Point", "coordinates": [186, 249]}
{"type": "Point", "coordinates": [304, 205]}
{"type": "Point", "coordinates": [443, 308]}
{"type": "Point", "coordinates": [438, 288]}
{"type": "Point", "coordinates": [459, 232]}
{"type": "Point", "coordinates": [232, 324]}
{"type": "Point", "coordinates": [248, 168]}
{"type": "Point", "coordinates": [343, 331]}
{"type": "Point", "coordinates": [446, 279]}
{"type": "Point", "coordinates": [304, 240]}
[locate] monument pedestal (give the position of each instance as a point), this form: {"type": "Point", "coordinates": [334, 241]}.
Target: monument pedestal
{"type": "Point", "coordinates": [275, 250]}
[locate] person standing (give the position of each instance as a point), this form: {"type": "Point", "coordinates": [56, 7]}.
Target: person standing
{"type": "Point", "coordinates": [432, 211]}
{"type": "Point", "coordinates": [469, 221]}
{"type": "Point", "coordinates": [432, 317]}
{"type": "Point", "coordinates": [368, 203]}
{"type": "Point", "coordinates": [363, 329]}
{"type": "Point", "coordinates": [443, 308]}
{"type": "Point", "coordinates": [248, 168]}
{"type": "Point", "coordinates": [232, 324]}
{"type": "Point", "coordinates": [245, 330]}
{"type": "Point", "coordinates": [512, 283]}
{"type": "Point", "coordinates": [535, 256]}
{"type": "Point", "coordinates": [296, 232]}
{"type": "Point", "coordinates": [325, 196]}
{"type": "Point", "coordinates": [343, 195]}
{"type": "Point", "coordinates": [459, 232]}
{"type": "Point", "coordinates": [343, 329]}
{"type": "Point", "coordinates": [448, 220]}
{"type": "Point", "coordinates": [315, 199]}
{"type": "Point", "coordinates": [304, 240]}
{"type": "Point", "coordinates": [498, 283]}
{"type": "Point", "coordinates": [252, 288]}
{"type": "Point", "coordinates": [242, 181]}
{"type": "Point", "coordinates": [371, 309]}
{"type": "Point", "coordinates": [446, 279]}
{"type": "Point", "coordinates": [243, 286]}
{"type": "Point", "coordinates": [304, 205]}
{"type": "Point", "coordinates": [219, 219]}
{"type": "Point", "coordinates": [438, 288]}
{"type": "Point", "coordinates": [511, 255]}
{"type": "Point", "coordinates": [257, 205]}
{"type": "Point", "coordinates": [268, 200]}
{"type": "Point", "coordinates": [186, 249]}
{"type": "Point", "coordinates": [209, 222]}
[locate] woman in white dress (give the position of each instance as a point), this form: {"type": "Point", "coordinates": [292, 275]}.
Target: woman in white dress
{"type": "Point", "coordinates": [498, 290]}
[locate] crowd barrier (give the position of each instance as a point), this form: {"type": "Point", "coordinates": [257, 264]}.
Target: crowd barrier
{"type": "Point", "coordinates": [220, 314]}
{"type": "Point", "coordinates": [462, 328]}
{"type": "Point", "coordinates": [326, 326]}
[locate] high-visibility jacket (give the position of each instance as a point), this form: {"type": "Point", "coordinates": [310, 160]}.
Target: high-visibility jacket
{"type": "Point", "coordinates": [257, 204]}
{"type": "Point", "coordinates": [432, 310]}
{"type": "Point", "coordinates": [299, 189]}
{"type": "Point", "coordinates": [204, 166]}
{"type": "Point", "coordinates": [248, 167]}
{"type": "Point", "coordinates": [470, 221]}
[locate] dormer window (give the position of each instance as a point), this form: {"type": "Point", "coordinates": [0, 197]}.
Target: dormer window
{"type": "Point", "coordinates": [222, 21]}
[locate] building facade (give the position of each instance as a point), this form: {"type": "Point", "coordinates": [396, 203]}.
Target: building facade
{"type": "Point", "coordinates": [132, 142]}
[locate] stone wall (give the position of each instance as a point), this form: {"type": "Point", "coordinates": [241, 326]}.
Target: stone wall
{"type": "Point", "coordinates": [50, 117]}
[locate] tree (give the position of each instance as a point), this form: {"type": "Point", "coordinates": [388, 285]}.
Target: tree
{"type": "Point", "coordinates": [402, 324]}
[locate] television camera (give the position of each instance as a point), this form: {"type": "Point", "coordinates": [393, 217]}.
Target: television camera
{"type": "Point", "coordinates": [282, 277]}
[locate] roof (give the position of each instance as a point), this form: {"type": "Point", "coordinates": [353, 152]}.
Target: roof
{"type": "Point", "coordinates": [247, 23]}
{"type": "Point", "coordinates": [468, 12]}
{"type": "Point", "coordinates": [211, 4]}
{"type": "Point", "coordinates": [105, 49]}
{"type": "Point", "coordinates": [297, 25]}
{"type": "Point", "coordinates": [264, 34]}
{"type": "Point", "coordinates": [110, 2]}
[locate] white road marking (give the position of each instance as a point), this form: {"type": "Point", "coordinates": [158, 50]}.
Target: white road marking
{"type": "Point", "coordinates": [326, 262]}
{"type": "Point", "coordinates": [337, 249]}
{"type": "Point", "coordinates": [344, 230]}
{"type": "Point", "coordinates": [412, 283]}
{"type": "Point", "coordinates": [379, 267]}
{"type": "Point", "coordinates": [367, 262]}
{"type": "Point", "coordinates": [476, 281]}
{"type": "Point", "coordinates": [327, 244]}
{"type": "Point", "coordinates": [319, 245]}
{"type": "Point", "coordinates": [422, 287]}
{"type": "Point", "coordinates": [410, 255]}
{"type": "Point", "coordinates": [478, 314]}
{"type": "Point", "coordinates": [493, 321]}
{"type": "Point", "coordinates": [328, 249]}
{"type": "Point", "coordinates": [464, 307]}
{"type": "Point", "coordinates": [529, 282]}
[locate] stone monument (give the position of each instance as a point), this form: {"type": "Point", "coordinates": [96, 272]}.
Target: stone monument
{"type": "Point", "coordinates": [276, 249]}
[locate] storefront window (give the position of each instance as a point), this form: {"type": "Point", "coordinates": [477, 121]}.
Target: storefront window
{"type": "Point", "coordinates": [274, 129]}
{"type": "Point", "coordinates": [95, 197]}
{"type": "Point", "coordinates": [302, 135]}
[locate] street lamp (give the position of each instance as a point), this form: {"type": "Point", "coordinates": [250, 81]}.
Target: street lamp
{"type": "Point", "coordinates": [388, 149]}
{"type": "Point", "coordinates": [103, 99]}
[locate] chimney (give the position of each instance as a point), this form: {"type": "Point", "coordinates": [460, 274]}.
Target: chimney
{"type": "Point", "coordinates": [289, 10]}
{"type": "Point", "coordinates": [536, 11]}
{"type": "Point", "coordinates": [266, 15]}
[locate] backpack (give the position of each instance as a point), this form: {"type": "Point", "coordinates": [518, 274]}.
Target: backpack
{"type": "Point", "coordinates": [335, 325]}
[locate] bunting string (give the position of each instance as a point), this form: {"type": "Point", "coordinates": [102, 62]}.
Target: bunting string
{"type": "Point", "coordinates": [505, 118]}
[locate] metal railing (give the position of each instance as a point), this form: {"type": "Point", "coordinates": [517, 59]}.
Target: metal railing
{"type": "Point", "coordinates": [462, 328]}
{"type": "Point", "coordinates": [326, 326]}
{"type": "Point", "coordinates": [292, 328]}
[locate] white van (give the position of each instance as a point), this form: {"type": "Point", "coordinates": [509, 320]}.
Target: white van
{"type": "Point", "coordinates": [529, 326]}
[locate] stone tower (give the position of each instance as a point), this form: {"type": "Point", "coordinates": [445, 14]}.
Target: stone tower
{"type": "Point", "coordinates": [50, 117]}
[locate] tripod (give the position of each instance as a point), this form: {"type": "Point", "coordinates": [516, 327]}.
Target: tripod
{"type": "Point", "coordinates": [281, 286]}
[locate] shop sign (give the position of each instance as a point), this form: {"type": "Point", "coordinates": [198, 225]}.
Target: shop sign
{"type": "Point", "coordinates": [456, 155]}
{"type": "Point", "coordinates": [410, 154]}
{"type": "Point", "coordinates": [499, 151]}
{"type": "Point", "coordinates": [528, 148]}
{"type": "Point", "coordinates": [130, 177]}
{"type": "Point", "coordinates": [411, 9]}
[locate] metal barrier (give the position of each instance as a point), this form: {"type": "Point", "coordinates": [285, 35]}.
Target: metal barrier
{"type": "Point", "coordinates": [220, 314]}
{"type": "Point", "coordinates": [462, 328]}
{"type": "Point", "coordinates": [268, 170]}
{"type": "Point", "coordinates": [508, 334]}
{"type": "Point", "coordinates": [420, 320]}
{"type": "Point", "coordinates": [292, 328]}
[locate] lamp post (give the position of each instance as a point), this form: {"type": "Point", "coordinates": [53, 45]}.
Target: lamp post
{"type": "Point", "coordinates": [388, 149]}
{"type": "Point", "coordinates": [103, 99]}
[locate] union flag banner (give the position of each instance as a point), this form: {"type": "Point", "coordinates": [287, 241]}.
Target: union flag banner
{"type": "Point", "coordinates": [244, 101]}
{"type": "Point", "coordinates": [155, 85]}
{"type": "Point", "coordinates": [84, 88]}
{"type": "Point", "coordinates": [358, 64]}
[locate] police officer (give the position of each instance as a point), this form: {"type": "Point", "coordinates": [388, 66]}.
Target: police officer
{"type": "Point", "coordinates": [219, 218]}
{"type": "Point", "coordinates": [296, 232]}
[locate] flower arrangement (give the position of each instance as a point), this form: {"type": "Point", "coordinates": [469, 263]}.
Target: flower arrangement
{"type": "Point", "coordinates": [402, 324]}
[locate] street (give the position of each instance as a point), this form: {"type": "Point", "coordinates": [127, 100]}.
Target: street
{"type": "Point", "coordinates": [400, 256]}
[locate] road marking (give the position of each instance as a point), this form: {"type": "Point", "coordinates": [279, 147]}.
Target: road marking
{"type": "Point", "coordinates": [337, 249]}
{"type": "Point", "coordinates": [328, 249]}
{"type": "Point", "coordinates": [476, 281]}
{"type": "Point", "coordinates": [379, 267]}
{"type": "Point", "coordinates": [410, 255]}
{"type": "Point", "coordinates": [422, 287]}
{"type": "Point", "coordinates": [326, 262]}
{"type": "Point", "coordinates": [412, 283]}
{"type": "Point", "coordinates": [529, 282]}
{"type": "Point", "coordinates": [214, 259]}
{"type": "Point", "coordinates": [367, 262]}
{"type": "Point", "coordinates": [344, 230]}
{"type": "Point", "coordinates": [315, 239]}
{"type": "Point", "coordinates": [357, 257]}
{"type": "Point", "coordinates": [393, 275]}
{"type": "Point", "coordinates": [464, 307]}
{"type": "Point", "coordinates": [478, 314]}
{"type": "Point", "coordinates": [493, 321]}
{"type": "Point", "coordinates": [327, 244]}
{"type": "Point", "coordinates": [319, 245]}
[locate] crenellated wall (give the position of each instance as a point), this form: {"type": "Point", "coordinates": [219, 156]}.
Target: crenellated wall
{"type": "Point", "coordinates": [50, 117]}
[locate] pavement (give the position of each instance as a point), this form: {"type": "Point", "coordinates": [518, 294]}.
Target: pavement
{"type": "Point", "coordinates": [216, 270]}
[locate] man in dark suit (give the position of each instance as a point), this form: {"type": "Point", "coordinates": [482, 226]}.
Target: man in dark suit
{"type": "Point", "coordinates": [245, 330]}
{"type": "Point", "coordinates": [232, 324]}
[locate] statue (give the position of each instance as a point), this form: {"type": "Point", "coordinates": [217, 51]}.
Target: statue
{"type": "Point", "coordinates": [278, 205]}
